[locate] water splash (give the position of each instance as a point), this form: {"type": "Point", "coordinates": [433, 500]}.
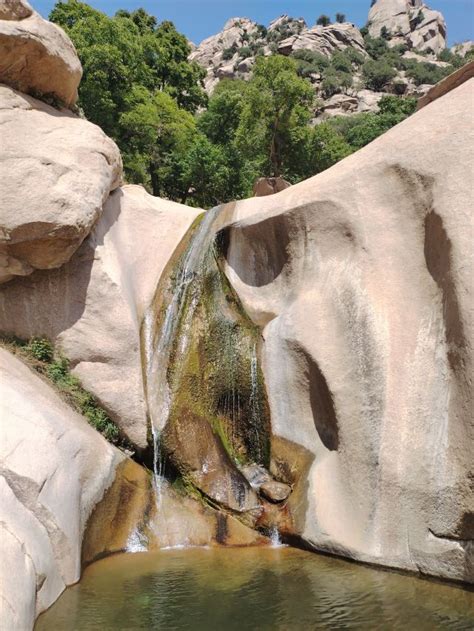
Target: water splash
{"type": "Point", "coordinates": [275, 538]}
{"type": "Point", "coordinates": [136, 542]}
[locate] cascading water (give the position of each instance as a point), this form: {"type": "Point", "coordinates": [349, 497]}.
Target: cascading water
{"type": "Point", "coordinates": [159, 343]}
{"type": "Point", "coordinates": [209, 415]}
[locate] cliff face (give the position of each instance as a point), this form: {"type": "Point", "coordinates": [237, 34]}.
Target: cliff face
{"type": "Point", "coordinates": [361, 279]}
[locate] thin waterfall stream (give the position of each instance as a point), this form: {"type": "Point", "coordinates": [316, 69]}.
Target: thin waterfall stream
{"type": "Point", "coordinates": [159, 343]}
{"type": "Point", "coordinates": [208, 411]}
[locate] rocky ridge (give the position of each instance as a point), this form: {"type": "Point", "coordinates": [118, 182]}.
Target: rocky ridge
{"type": "Point", "coordinates": [409, 24]}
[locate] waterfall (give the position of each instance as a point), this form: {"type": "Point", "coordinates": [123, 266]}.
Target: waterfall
{"type": "Point", "coordinates": [159, 344]}
{"type": "Point", "coordinates": [255, 402]}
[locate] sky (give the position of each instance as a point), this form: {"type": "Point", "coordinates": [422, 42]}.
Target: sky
{"type": "Point", "coordinates": [199, 19]}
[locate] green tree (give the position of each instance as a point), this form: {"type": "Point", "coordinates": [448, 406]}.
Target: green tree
{"type": "Point", "coordinates": [276, 103]}
{"type": "Point", "coordinates": [132, 67]}
{"type": "Point", "coordinates": [340, 18]}
{"type": "Point", "coordinates": [323, 20]}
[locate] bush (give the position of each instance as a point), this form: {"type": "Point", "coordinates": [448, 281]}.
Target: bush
{"type": "Point", "coordinates": [340, 62]}
{"type": "Point", "coordinates": [424, 72]}
{"type": "Point", "coordinates": [377, 73]}
{"type": "Point", "coordinates": [40, 349]}
{"type": "Point", "coordinates": [354, 56]}
{"type": "Point", "coordinates": [323, 20]}
{"type": "Point", "coordinates": [245, 52]}
{"type": "Point", "coordinates": [385, 33]}
{"type": "Point", "coordinates": [39, 354]}
{"type": "Point", "coordinates": [228, 53]}
{"type": "Point", "coordinates": [375, 46]}
{"type": "Point", "coordinates": [340, 18]}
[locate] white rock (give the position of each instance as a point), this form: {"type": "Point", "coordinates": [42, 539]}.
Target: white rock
{"type": "Point", "coordinates": [36, 56]}
{"type": "Point", "coordinates": [325, 40]}
{"type": "Point", "coordinates": [94, 305]}
{"type": "Point", "coordinates": [54, 470]}
{"type": "Point", "coordinates": [361, 278]}
{"type": "Point", "coordinates": [56, 171]}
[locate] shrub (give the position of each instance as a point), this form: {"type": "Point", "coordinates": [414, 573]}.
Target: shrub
{"type": "Point", "coordinates": [339, 61]}
{"type": "Point", "coordinates": [385, 33]}
{"type": "Point", "coordinates": [340, 18]}
{"type": "Point", "coordinates": [424, 72]}
{"type": "Point", "coordinates": [228, 53]}
{"type": "Point", "coordinates": [354, 56]}
{"type": "Point", "coordinates": [41, 349]}
{"type": "Point", "coordinates": [40, 355]}
{"type": "Point", "coordinates": [375, 46]}
{"type": "Point", "coordinates": [323, 20]}
{"type": "Point", "coordinates": [417, 20]}
{"type": "Point", "coordinates": [377, 73]}
{"type": "Point", "coordinates": [245, 52]}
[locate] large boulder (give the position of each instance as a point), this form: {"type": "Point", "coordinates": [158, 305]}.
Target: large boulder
{"type": "Point", "coordinates": [325, 40]}
{"type": "Point", "coordinates": [409, 21]}
{"type": "Point", "coordinates": [93, 306]}
{"type": "Point", "coordinates": [54, 470]}
{"type": "Point", "coordinates": [36, 56]}
{"type": "Point", "coordinates": [361, 279]}
{"type": "Point", "coordinates": [56, 171]}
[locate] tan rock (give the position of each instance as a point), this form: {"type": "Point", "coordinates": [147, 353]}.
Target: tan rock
{"type": "Point", "coordinates": [54, 470]}
{"type": "Point", "coordinates": [325, 40]}
{"type": "Point", "coordinates": [94, 305]}
{"type": "Point", "coordinates": [409, 21]}
{"type": "Point", "coordinates": [56, 171]}
{"type": "Point", "coordinates": [15, 10]}
{"type": "Point", "coordinates": [361, 278]}
{"type": "Point", "coordinates": [269, 186]}
{"type": "Point", "coordinates": [275, 491]}
{"type": "Point", "coordinates": [463, 49]}
{"type": "Point", "coordinates": [36, 56]}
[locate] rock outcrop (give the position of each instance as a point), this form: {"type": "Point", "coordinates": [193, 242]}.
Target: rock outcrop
{"type": "Point", "coordinates": [361, 279]}
{"type": "Point", "coordinates": [325, 40]}
{"type": "Point", "coordinates": [54, 471]}
{"type": "Point", "coordinates": [408, 21]}
{"type": "Point", "coordinates": [92, 308]}
{"type": "Point", "coordinates": [36, 56]}
{"type": "Point", "coordinates": [57, 171]}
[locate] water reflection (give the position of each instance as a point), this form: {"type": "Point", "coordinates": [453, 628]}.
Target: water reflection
{"type": "Point", "coordinates": [277, 589]}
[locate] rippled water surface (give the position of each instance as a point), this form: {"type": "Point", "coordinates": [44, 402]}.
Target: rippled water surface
{"type": "Point", "coordinates": [277, 589]}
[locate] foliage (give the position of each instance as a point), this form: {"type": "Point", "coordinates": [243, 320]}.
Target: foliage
{"type": "Point", "coordinates": [340, 18]}
{"type": "Point", "coordinates": [129, 64]}
{"type": "Point", "coordinates": [323, 20]}
{"type": "Point", "coordinates": [377, 73]}
{"type": "Point", "coordinates": [276, 102]}
{"type": "Point", "coordinates": [424, 72]}
{"type": "Point", "coordinates": [360, 129]}
{"type": "Point", "coordinates": [40, 355]}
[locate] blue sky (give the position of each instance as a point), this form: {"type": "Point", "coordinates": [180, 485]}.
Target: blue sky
{"type": "Point", "coordinates": [200, 18]}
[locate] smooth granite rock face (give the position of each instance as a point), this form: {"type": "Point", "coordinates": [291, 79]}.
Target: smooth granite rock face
{"type": "Point", "coordinates": [36, 56]}
{"type": "Point", "coordinates": [93, 306]}
{"type": "Point", "coordinates": [54, 470]}
{"type": "Point", "coordinates": [361, 279]}
{"type": "Point", "coordinates": [57, 171]}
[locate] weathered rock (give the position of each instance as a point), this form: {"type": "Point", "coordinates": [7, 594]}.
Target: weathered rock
{"type": "Point", "coordinates": [54, 470]}
{"type": "Point", "coordinates": [446, 85]}
{"type": "Point", "coordinates": [325, 40]}
{"type": "Point", "coordinates": [56, 171]}
{"type": "Point", "coordinates": [361, 278]}
{"type": "Point", "coordinates": [269, 186]}
{"type": "Point", "coordinates": [93, 306]}
{"type": "Point", "coordinates": [198, 454]}
{"type": "Point", "coordinates": [36, 56]}
{"type": "Point", "coordinates": [462, 49]}
{"type": "Point", "coordinates": [15, 10]}
{"type": "Point", "coordinates": [368, 101]}
{"type": "Point", "coordinates": [409, 21]}
{"type": "Point", "coordinates": [340, 104]}
{"type": "Point", "coordinates": [275, 491]}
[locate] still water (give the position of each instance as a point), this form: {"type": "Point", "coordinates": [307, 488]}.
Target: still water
{"type": "Point", "coordinates": [277, 589]}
